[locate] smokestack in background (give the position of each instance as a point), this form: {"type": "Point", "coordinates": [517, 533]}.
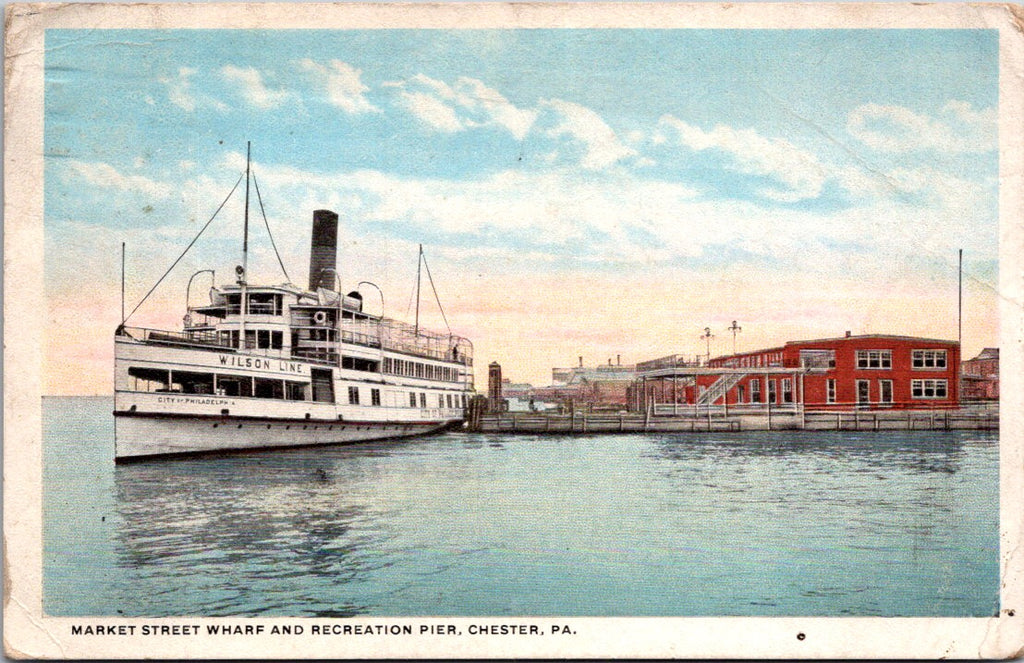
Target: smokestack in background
{"type": "Point", "coordinates": [323, 249]}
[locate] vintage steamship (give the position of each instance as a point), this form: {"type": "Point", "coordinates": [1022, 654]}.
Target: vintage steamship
{"type": "Point", "coordinates": [264, 366]}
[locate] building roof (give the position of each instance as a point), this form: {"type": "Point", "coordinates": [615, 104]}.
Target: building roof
{"type": "Point", "coordinates": [987, 353]}
{"type": "Point", "coordinates": [839, 338]}
{"type": "Point", "coordinates": [897, 337]}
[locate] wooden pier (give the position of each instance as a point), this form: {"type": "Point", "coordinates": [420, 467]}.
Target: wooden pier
{"type": "Point", "coordinates": [782, 419]}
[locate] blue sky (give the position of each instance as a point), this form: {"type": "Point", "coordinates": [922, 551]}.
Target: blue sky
{"type": "Point", "coordinates": [578, 192]}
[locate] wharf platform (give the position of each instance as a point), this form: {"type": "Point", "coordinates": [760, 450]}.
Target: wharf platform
{"type": "Point", "coordinates": [733, 421]}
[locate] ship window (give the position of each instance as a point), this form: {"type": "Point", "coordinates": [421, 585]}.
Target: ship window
{"type": "Point", "coordinates": [423, 400]}
{"type": "Point", "coordinates": [358, 364]}
{"type": "Point", "coordinates": [353, 395]}
{"type": "Point", "coordinates": [149, 379]}
{"type": "Point", "coordinates": [265, 388]}
{"type": "Point", "coordinates": [264, 303]}
{"type": "Point", "coordinates": [192, 383]}
{"type": "Point", "coordinates": [449, 401]}
{"type": "Point", "coordinates": [375, 397]}
{"type": "Point", "coordinates": [234, 385]}
{"type": "Point", "coordinates": [250, 339]}
{"type": "Point", "coordinates": [295, 391]}
{"type": "Point", "coordinates": [412, 399]}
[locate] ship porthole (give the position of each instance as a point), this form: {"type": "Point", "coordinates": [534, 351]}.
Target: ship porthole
{"type": "Point", "coordinates": [215, 425]}
{"type": "Point", "coordinates": [239, 425]}
{"type": "Point", "coordinates": [268, 426]}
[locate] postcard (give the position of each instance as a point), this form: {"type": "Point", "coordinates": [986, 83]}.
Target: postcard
{"type": "Point", "coordinates": [513, 330]}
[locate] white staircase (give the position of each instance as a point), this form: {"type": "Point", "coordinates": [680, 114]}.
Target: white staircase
{"type": "Point", "coordinates": [720, 388]}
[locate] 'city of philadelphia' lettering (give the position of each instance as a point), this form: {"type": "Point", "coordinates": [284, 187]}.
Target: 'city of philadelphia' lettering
{"type": "Point", "coordinates": [261, 363]}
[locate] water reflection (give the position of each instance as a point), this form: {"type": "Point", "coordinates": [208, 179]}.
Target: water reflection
{"type": "Point", "coordinates": [257, 533]}
{"type": "Point", "coordinates": [913, 451]}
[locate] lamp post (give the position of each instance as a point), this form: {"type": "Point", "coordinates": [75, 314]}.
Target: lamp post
{"type": "Point", "coordinates": [707, 337]}
{"type": "Point", "coordinates": [735, 328]}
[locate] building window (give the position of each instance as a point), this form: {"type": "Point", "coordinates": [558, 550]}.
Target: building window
{"type": "Point", "coordinates": [412, 399]}
{"type": "Point", "coordinates": [353, 395]}
{"type": "Point", "coordinates": [787, 390]}
{"type": "Point", "coordinates": [375, 397]}
{"type": "Point", "coordinates": [755, 390]}
{"type": "Point", "coordinates": [863, 391]}
{"type": "Point", "coordinates": [819, 359]}
{"type": "Point", "coordinates": [885, 391]}
{"type": "Point", "coordinates": [874, 358]}
{"type": "Point", "coordinates": [928, 389]}
{"type": "Point", "coordinates": [830, 391]}
{"type": "Point", "coordinates": [772, 396]}
{"type": "Point", "coordinates": [740, 394]}
{"type": "Point", "coordinates": [928, 359]}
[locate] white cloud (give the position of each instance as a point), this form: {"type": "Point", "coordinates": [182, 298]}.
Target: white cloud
{"type": "Point", "coordinates": [958, 128]}
{"type": "Point", "coordinates": [181, 94]}
{"type": "Point", "coordinates": [179, 89]}
{"type": "Point", "coordinates": [602, 148]}
{"type": "Point", "coordinates": [252, 86]}
{"type": "Point", "coordinates": [753, 154]}
{"type": "Point", "coordinates": [105, 175]}
{"type": "Point", "coordinates": [467, 104]}
{"type": "Point", "coordinates": [343, 84]}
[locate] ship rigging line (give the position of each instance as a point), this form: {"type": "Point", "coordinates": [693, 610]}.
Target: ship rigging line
{"type": "Point", "coordinates": [269, 234]}
{"type": "Point", "coordinates": [436, 298]}
{"type": "Point", "coordinates": [194, 239]}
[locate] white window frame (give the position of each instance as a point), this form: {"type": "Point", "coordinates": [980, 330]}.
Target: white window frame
{"type": "Point", "coordinates": [755, 390]}
{"type": "Point", "coordinates": [868, 398]}
{"type": "Point", "coordinates": [931, 359]}
{"type": "Point", "coordinates": [884, 385]}
{"type": "Point", "coordinates": [929, 389]}
{"type": "Point", "coordinates": [830, 390]}
{"type": "Point", "coordinates": [881, 358]}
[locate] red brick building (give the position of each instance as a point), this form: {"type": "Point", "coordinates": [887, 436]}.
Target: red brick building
{"type": "Point", "coordinates": [980, 376]}
{"type": "Point", "coordinates": [873, 371]}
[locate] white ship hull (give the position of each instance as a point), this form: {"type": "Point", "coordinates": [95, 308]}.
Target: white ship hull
{"type": "Point", "coordinates": [149, 436]}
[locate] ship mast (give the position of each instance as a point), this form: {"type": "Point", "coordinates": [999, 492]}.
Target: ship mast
{"type": "Point", "coordinates": [419, 265]}
{"type": "Point", "coordinates": [243, 276]}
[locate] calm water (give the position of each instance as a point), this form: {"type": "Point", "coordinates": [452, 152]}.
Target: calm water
{"type": "Point", "coordinates": [721, 524]}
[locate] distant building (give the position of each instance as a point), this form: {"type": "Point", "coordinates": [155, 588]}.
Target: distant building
{"type": "Point", "coordinates": [979, 377]}
{"type": "Point", "coordinates": [850, 372]}
{"type": "Point", "coordinates": [605, 386]}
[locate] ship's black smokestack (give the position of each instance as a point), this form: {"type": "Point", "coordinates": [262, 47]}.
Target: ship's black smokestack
{"type": "Point", "coordinates": [323, 249]}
